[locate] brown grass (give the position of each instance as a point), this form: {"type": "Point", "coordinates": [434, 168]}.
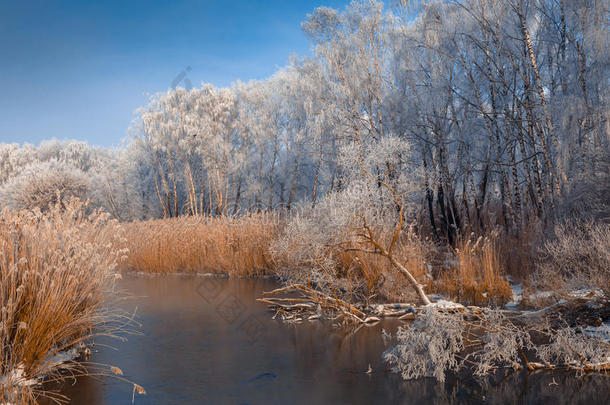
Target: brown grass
{"type": "Point", "coordinates": [56, 274]}
{"type": "Point", "coordinates": [237, 246]}
{"type": "Point", "coordinates": [477, 276]}
{"type": "Point", "coordinates": [241, 246]}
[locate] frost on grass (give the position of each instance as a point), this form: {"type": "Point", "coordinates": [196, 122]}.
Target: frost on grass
{"type": "Point", "coordinates": [57, 273]}
{"type": "Point", "coordinates": [576, 259]}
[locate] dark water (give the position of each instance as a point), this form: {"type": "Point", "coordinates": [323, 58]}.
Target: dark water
{"type": "Point", "coordinates": [206, 341]}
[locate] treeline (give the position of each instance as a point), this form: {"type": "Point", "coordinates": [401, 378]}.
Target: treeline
{"type": "Point", "coordinates": [502, 106]}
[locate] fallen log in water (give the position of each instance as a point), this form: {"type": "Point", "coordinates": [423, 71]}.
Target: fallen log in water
{"type": "Point", "coordinates": [311, 304]}
{"type": "Point", "coordinates": [314, 300]}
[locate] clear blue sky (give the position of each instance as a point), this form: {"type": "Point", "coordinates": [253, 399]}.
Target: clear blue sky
{"type": "Point", "coordinates": [79, 69]}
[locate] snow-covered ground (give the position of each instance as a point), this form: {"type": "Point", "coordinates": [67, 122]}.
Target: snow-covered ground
{"type": "Point", "coordinates": [518, 294]}
{"type": "Point", "coordinates": [600, 332]}
{"type": "Point", "coordinates": [53, 362]}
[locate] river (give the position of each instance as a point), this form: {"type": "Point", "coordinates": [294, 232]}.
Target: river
{"type": "Point", "coordinates": [206, 341]}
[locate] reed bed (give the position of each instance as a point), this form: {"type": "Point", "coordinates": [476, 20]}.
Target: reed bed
{"type": "Point", "coordinates": [241, 246]}
{"type": "Point", "coordinates": [228, 245]}
{"type": "Point", "coordinates": [56, 274]}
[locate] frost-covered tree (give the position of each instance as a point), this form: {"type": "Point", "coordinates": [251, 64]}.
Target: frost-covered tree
{"type": "Point", "coordinates": [504, 105]}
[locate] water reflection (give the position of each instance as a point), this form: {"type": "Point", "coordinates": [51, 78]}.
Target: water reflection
{"type": "Point", "coordinates": [209, 342]}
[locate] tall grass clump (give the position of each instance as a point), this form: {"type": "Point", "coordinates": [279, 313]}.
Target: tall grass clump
{"type": "Point", "coordinates": [476, 275]}
{"type": "Point", "coordinates": [56, 273]}
{"type": "Point", "coordinates": [236, 246]}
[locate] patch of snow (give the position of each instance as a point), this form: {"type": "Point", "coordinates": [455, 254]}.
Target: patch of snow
{"type": "Point", "coordinates": [437, 297]}
{"type": "Point", "coordinates": [17, 377]}
{"type": "Point", "coordinates": [583, 293]}
{"type": "Point", "coordinates": [517, 295]}
{"type": "Point", "coordinates": [445, 304]}
{"type": "Point", "coordinates": [599, 332]}
{"type": "Point", "coordinates": [542, 310]}
{"type": "Point", "coordinates": [60, 358]}
{"type": "Point", "coordinates": [586, 293]}
{"type": "Point", "coordinates": [541, 295]}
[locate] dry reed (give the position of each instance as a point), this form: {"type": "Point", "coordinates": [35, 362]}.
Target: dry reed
{"type": "Point", "coordinates": [56, 273]}
{"type": "Point", "coordinates": [236, 246]}
{"type": "Point", "coordinates": [477, 274]}
{"type": "Point", "coordinates": [241, 246]}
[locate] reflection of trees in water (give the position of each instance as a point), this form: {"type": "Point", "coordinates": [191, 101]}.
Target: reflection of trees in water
{"type": "Point", "coordinates": [551, 388]}
{"type": "Point", "coordinates": [538, 388]}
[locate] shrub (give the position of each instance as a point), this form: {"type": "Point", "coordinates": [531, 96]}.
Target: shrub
{"type": "Point", "coordinates": [486, 341]}
{"type": "Point", "coordinates": [43, 184]}
{"type": "Point", "coordinates": [576, 256]}
{"type": "Point", "coordinates": [324, 246]}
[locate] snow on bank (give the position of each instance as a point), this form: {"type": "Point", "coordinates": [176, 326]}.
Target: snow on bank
{"type": "Point", "coordinates": [601, 332]}
{"type": "Point", "coordinates": [517, 295]}
{"type": "Point", "coordinates": [16, 377]}
{"type": "Point", "coordinates": [444, 304]}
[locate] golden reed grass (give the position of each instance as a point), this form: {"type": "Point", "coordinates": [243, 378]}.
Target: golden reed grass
{"type": "Point", "coordinates": [477, 275]}
{"type": "Point", "coordinates": [241, 246]}
{"type": "Point", "coordinates": [56, 272]}
{"type": "Point", "coordinates": [236, 246]}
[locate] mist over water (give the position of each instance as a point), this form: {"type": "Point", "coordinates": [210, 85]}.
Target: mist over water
{"type": "Point", "coordinates": [207, 341]}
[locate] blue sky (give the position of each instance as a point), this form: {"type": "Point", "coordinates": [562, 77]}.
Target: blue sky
{"type": "Point", "coordinates": [79, 69]}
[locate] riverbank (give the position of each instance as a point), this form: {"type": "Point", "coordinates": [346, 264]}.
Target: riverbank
{"type": "Point", "coordinates": [247, 247]}
{"type": "Point", "coordinates": [469, 286]}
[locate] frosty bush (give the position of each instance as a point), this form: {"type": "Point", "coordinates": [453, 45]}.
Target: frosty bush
{"type": "Point", "coordinates": [367, 215]}
{"type": "Point", "coordinates": [428, 347]}
{"type": "Point", "coordinates": [43, 184]}
{"type": "Point", "coordinates": [571, 346]}
{"type": "Point", "coordinates": [577, 257]}
{"type": "Point", "coordinates": [439, 342]}
{"type": "Point", "coordinates": [314, 236]}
